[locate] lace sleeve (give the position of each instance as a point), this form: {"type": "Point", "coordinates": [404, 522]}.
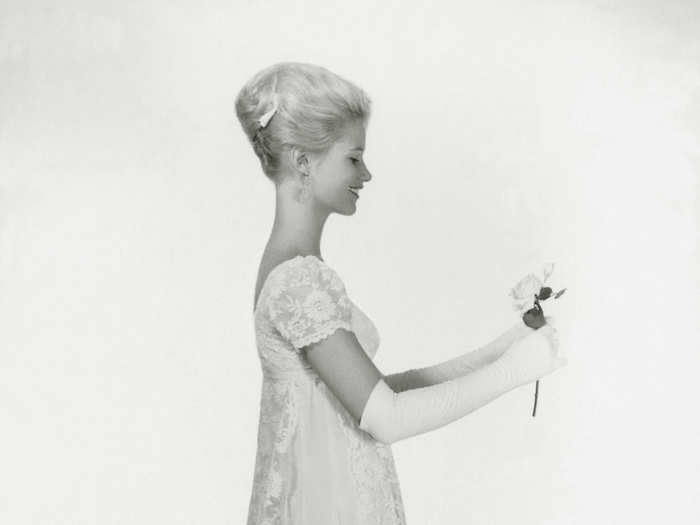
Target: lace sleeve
{"type": "Point", "coordinates": [309, 303]}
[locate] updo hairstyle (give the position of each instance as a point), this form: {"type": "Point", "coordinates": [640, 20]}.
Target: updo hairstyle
{"type": "Point", "coordinates": [314, 107]}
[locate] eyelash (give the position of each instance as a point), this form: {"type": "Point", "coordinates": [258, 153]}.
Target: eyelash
{"type": "Point", "coordinates": [354, 161]}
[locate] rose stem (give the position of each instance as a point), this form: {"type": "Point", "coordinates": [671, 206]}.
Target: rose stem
{"type": "Point", "coordinates": [537, 387]}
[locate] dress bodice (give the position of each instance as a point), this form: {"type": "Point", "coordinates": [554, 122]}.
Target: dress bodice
{"type": "Point", "coordinates": [276, 359]}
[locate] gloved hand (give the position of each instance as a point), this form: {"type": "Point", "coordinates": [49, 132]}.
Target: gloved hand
{"type": "Point", "coordinates": [534, 356]}
{"type": "Point", "coordinates": [553, 334]}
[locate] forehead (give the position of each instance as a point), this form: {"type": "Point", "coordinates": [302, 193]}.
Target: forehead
{"type": "Point", "coordinates": [353, 136]}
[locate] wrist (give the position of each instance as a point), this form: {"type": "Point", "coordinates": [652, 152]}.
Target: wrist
{"type": "Point", "coordinates": [522, 330]}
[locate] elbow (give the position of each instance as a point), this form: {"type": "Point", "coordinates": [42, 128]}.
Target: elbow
{"type": "Point", "coordinates": [378, 415]}
{"type": "Point", "coordinates": [379, 432]}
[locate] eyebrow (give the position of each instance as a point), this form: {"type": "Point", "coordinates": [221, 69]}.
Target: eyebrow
{"type": "Point", "coordinates": [359, 149]}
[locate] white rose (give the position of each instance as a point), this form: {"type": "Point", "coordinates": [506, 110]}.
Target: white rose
{"type": "Point", "coordinates": [524, 292]}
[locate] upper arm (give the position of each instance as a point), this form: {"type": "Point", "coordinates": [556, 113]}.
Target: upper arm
{"type": "Point", "coordinates": [310, 308]}
{"type": "Point", "coordinates": [345, 368]}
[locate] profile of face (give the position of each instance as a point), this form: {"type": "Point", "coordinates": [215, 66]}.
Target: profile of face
{"type": "Point", "coordinates": [340, 169]}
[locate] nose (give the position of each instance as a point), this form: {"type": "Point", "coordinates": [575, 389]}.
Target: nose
{"type": "Point", "coordinates": [367, 175]}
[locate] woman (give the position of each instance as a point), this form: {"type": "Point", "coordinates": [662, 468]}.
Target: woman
{"type": "Point", "coordinates": [327, 414]}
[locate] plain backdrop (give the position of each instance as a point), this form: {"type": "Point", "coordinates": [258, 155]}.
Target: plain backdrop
{"type": "Point", "coordinates": [504, 135]}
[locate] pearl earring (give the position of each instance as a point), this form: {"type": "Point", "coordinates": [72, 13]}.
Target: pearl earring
{"type": "Point", "coordinates": [305, 187]}
{"type": "Point", "coordinates": [303, 195]}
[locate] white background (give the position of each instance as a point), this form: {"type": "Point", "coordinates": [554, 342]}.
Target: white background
{"type": "Point", "coordinates": [133, 214]}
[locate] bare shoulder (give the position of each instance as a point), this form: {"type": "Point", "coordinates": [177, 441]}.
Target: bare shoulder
{"type": "Point", "coordinates": [267, 263]}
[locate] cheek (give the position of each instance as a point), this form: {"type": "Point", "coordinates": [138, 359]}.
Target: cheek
{"type": "Point", "coordinates": [331, 190]}
{"type": "Point", "coordinates": [332, 182]}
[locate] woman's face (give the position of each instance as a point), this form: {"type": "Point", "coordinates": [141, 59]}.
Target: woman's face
{"type": "Point", "coordinates": [341, 168]}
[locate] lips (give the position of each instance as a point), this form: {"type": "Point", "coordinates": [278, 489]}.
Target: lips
{"type": "Point", "coordinates": [354, 191]}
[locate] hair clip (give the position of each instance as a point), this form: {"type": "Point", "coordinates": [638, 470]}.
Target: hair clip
{"type": "Point", "coordinates": [265, 119]}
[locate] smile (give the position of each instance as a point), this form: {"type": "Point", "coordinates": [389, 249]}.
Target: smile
{"type": "Point", "coordinates": [353, 192]}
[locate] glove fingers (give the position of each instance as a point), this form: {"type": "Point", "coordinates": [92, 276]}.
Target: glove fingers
{"type": "Point", "coordinates": [552, 336]}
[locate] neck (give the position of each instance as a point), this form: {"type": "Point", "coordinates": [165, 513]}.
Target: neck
{"type": "Point", "coordinates": [297, 226]}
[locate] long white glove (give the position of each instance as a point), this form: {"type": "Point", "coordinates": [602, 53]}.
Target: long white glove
{"type": "Point", "coordinates": [460, 365]}
{"type": "Point", "coordinates": [389, 416]}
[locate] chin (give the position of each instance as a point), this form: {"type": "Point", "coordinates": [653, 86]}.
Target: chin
{"type": "Point", "coordinates": [353, 208]}
{"type": "Point", "coordinates": [350, 211]}
{"type": "Point", "coordinates": [345, 207]}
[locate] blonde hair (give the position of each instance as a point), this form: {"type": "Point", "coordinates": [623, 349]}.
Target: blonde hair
{"type": "Point", "coordinates": [314, 107]}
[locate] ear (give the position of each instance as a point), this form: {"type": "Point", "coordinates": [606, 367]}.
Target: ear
{"type": "Point", "coordinates": [299, 160]}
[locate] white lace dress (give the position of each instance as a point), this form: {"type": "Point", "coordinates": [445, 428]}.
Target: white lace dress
{"type": "Point", "coordinates": [314, 465]}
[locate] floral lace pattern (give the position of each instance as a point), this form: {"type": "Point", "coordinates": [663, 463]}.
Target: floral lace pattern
{"type": "Point", "coordinates": [314, 465]}
{"type": "Point", "coordinates": [308, 302]}
{"type": "Point", "coordinates": [379, 496]}
{"type": "Point", "coordinates": [277, 411]}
